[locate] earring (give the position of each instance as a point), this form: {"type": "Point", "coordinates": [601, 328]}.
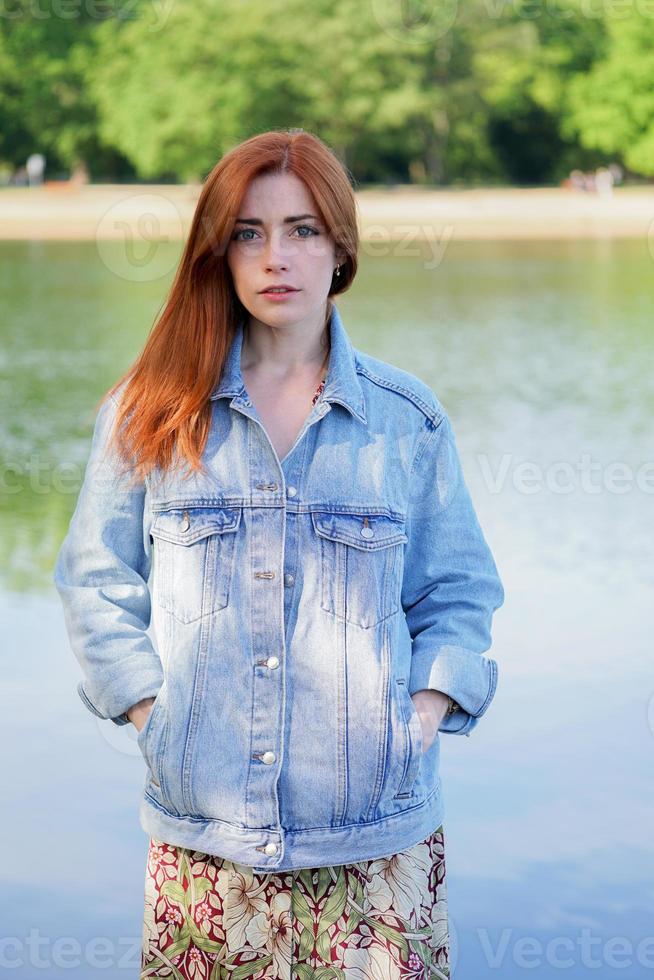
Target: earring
{"type": "Point", "coordinates": [338, 269]}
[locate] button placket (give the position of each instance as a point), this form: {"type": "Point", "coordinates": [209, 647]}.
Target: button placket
{"type": "Point", "coordinates": [267, 529]}
{"type": "Point", "coordinates": [268, 757]}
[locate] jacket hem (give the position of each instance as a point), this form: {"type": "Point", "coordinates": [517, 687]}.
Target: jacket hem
{"type": "Point", "coordinates": [296, 849]}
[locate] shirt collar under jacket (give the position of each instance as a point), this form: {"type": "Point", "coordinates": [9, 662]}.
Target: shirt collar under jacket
{"type": "Point", "coordinates": [342, 384]}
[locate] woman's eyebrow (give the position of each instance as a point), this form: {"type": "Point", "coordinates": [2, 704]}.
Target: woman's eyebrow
{"type": "Point", "coordinates": [258, 221]}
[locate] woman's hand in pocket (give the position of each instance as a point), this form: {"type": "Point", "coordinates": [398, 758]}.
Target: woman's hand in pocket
{"type": "Point", "coordinates": [138, 714]}
{"type": "Point", "coordinates": [431, 707]}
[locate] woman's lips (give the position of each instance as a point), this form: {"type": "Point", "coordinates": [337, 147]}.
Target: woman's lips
{"type": "Point", "coordinates": [279, 296]}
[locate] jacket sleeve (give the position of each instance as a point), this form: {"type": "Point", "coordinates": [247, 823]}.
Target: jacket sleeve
{"type": "Point", "coordinates": [451, 585]}
{"type": "Point", "coordinates": [101, 574]}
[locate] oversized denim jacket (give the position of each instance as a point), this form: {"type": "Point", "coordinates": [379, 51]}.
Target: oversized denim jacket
{"type": "Point", "coordinates": [282, 613]}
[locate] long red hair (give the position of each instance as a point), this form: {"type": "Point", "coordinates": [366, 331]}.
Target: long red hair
{"type": "Point", "coordinates": [164, 413]}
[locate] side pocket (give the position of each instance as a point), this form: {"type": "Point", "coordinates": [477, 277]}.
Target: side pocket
{"type": "Point", "coordinates": [147, 739]}
{"type": "Point", "coordinates": [412, 740]}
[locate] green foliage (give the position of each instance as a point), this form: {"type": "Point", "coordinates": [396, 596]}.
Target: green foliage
{"type": "Point", "coordinates": [612, 106]}
{"type": "Point", "coordinates": [478, 91]}
{"type": "Point", "coordinates": [43, 101]}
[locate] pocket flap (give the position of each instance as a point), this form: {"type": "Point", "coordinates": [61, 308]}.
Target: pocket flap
{"type": "Point", "coordinates": [186, 525]}
{"type": "Point", "coordinates": [365, 531]}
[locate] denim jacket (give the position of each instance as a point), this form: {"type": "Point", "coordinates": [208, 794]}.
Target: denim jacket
{"type": "Point", "coordinates": [282, 613]}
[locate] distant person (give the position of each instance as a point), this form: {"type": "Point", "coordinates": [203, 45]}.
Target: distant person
{"type": "Point", "coordinates": [577, 180]}
{"type": "Point", "coordinates": [617, 171]}
{"type": "Point", "coordinates": [35, 169]}
{"type": "Point", "coordinates": [604, 182]}
{"type": "Point", "coordinates": [80, 175]}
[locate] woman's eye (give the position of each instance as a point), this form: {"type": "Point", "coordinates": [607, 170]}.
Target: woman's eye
{"type": "Point", "coordinates": [245, 231]}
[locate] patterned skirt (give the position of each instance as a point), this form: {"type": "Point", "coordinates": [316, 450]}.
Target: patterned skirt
{"type": "Point", "coordinates": [206, 918]}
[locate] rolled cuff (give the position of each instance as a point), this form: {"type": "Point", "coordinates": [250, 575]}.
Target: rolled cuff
{"type": "Point", "coordinates": [142, 681]}
{"type": "Point", "coordinates": [468, 677]}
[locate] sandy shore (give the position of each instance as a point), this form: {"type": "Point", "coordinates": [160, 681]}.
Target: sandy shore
{"type": "Point", "coordinates": [164, 212]}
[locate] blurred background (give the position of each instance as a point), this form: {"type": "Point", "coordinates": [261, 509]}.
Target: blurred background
{"type": "Point", "coordinates": [503, 156]}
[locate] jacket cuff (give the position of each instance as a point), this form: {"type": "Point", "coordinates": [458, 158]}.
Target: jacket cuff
{"type": "Point", "coordinates": [468, 677]}
{"type": "Point", "coordinates": [141, 682]}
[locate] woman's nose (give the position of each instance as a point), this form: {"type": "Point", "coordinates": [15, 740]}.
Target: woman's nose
{"type": "Point", "coordinates": [276, 253]}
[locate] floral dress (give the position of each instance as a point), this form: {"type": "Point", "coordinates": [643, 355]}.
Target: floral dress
{"type": "Point", "coordinates": [318, 392]}
{"type": "Point", "coordinates": [208, 918]}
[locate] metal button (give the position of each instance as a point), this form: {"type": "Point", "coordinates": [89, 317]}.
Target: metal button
{"type": "Point", "coordinates": [268, 757]}
{"type": "Point", "coordinates": [289, 579]}
{"type": "Point", "coordinates": [273, 662]}
{"type": "Point", "coordinates": [270, 848]}
{"type": "Point", "coordinates": [291, 491]}
{"type": "Point", "coordinates": [366, 532]}
{"type": "Point", "coordinates": [186, 521]}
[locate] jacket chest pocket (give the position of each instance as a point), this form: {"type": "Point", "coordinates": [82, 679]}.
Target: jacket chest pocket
{"type": "Point", "coordinates": [361, 561]}
{"type": "Point", "coordinates": [194, 559]}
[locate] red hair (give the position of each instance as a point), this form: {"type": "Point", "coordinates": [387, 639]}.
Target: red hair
{"type": "Point", "coordinates": [165, 407]}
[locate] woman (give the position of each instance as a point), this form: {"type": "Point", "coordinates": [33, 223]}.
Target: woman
{"type": "Point", "coordinates": [319, 586]}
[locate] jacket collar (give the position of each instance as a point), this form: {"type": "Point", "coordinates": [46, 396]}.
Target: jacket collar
{"type": "Point", "coordinates": [342, 383]}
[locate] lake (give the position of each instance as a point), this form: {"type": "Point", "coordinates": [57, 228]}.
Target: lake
{"type": "Point", "coordinates": [542, 353]}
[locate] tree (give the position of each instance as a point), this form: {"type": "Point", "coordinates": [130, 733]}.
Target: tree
{"type": "Point", "coordinates": [611, 108]}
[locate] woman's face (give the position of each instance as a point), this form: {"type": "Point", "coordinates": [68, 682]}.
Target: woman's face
{"type": "Point", "coordinates": [281, 239]}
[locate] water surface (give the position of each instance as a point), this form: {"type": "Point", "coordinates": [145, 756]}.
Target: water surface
{"type": "Point", "coordinates": [542, 355]}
